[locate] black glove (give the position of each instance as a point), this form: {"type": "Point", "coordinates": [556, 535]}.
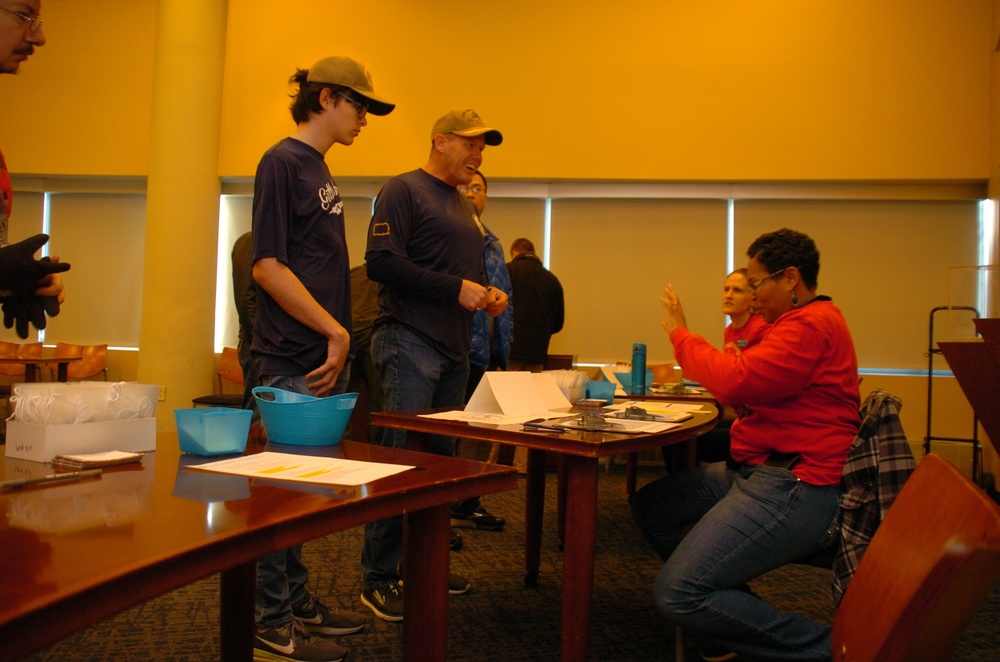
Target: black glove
{"type": "Point", "coordinates": [21, 309]}
{"type": "Point", "coordinates": [19, 270]}
{"type": "Point", "coordinates": [20, 274]}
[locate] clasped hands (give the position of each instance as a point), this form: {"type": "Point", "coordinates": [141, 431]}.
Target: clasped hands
{"type": "Point", "coordinates": [34, 288]}
{"type": "Point", "coordinates": [474, 296]}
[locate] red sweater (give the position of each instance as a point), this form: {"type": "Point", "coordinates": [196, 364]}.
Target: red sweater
{"type": "Point", "coordinates": [747, 335]}
{"type": "Point", "coordinates": [799, 385]}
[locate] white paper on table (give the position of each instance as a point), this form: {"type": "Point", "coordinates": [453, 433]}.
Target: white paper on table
{"type": "Point", "coordinates": [303, 468]}
{"type": "Point", "coordinates": [517, 393]}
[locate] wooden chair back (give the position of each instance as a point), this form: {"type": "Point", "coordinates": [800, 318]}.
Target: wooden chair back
{"type": "Point", "coordinates": [227, 371]}
{"type": "Point", "coordinates": [663, 373]}
{"type": "Point", "coordinates": [926, 572]}
{"type": "Point", "coordinates": [228, 367]}
{"type": "Point", "coordinates": [560, 361]}
{"type": "Point", "coordinates": [95, 360]}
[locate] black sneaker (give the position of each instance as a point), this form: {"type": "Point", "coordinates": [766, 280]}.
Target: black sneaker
{"type": "Point", "coordinates": [457, 584]}
{"type": "Point", "coordinates": [716, 653]}
{"type": "Point", "coordinates": [292, 641]}
{"type": "Point", "coordinates": [455, 542]}
{"type": "Point", "coordinates": [385, 601]}
{"type": "Point", "coordinates": [319, 618]}
{"type": "Point", "coordinates": [481, 519]}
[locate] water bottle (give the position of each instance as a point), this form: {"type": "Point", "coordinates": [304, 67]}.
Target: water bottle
{"type": "Point", "coordinates": [639, 369]}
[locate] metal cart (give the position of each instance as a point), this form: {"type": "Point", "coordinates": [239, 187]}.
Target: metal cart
{"type": "Point", "coordinates": [932, 351]}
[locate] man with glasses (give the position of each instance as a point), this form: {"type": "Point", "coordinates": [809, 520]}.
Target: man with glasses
{"type": "Point", "coordinates": [20, 33]}
{"type": "Point", "coordinates": [426, 250]}
{"type": "Point", "coordinates": [491, 336]}
{"type": "Point", "coordinates": [302, 330]}
{"type": "Point", "coordinates": [33, 287]}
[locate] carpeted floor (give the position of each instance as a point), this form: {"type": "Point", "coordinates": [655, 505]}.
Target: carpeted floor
{"type": "Point", "coordinates": [499, 618]}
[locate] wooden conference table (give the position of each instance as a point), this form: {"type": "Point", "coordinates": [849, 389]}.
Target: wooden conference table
{"type": "Point", "coordinates": [74, 553]}
{"type": "Point", "coordinates": [676, 458]}
{"type": "Point", "coordinates": [32, 365]}
{"type": "Point", "coordinates": [579, 454]}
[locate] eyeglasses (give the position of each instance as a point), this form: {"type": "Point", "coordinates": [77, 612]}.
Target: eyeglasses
{"type": "Point", "coordinates": [754, 284]}
{"type": "Point", "coordinates": [358, 106]}
{"type": "Point", "coordinates": [475, 188]}
{"type": "Point", "coordinates": [34, 23]}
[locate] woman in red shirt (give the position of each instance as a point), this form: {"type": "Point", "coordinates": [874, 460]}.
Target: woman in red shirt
{"type": "Point", "coordinates": [744, 331]}
{"type": "Point", "coordinates": [775, 500]}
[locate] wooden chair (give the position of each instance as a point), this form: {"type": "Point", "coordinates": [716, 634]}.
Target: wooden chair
{"type": "Point", "coordinates": [560, 361]}
{"type": "Point", "coordinates": [13, 373]}
{"type": "Point", "coordinates": [926, 572]}
{"type": "Point", "coordinates": [94, 361]}
{"type": "Point", "coordinates": [923, 577]}
{"type": "Point", "coordinates": [227, 371]}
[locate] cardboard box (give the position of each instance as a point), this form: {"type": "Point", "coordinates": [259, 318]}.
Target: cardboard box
{"type": "Point", "coordinates": [41, 443]}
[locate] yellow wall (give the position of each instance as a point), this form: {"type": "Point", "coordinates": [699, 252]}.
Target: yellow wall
{"type": "Point", "coordinates": [83, 100]}
{"type": "Point", "coordinates": [671, 89]}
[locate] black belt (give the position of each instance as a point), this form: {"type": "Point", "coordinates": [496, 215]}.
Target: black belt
{"type": "Point", "coordinates": [779, 460]}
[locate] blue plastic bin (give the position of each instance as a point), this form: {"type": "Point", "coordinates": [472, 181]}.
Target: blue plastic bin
{"type": "Point", "coordinates": [303, 420]}
{"type": "Point", "coordinates": [601, 390]}
{"type": "Point", "coordinates": [212, 430]}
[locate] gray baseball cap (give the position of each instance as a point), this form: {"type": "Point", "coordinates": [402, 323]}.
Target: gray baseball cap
{"type": "Point", "coordinates": [466, 122]}
{"type": "Point", "coordinates": [338, 70]}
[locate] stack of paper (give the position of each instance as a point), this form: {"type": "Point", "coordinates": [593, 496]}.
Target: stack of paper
{"type": "Point", "coordinates": [95, 460]}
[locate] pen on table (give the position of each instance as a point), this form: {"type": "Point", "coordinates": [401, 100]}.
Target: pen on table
{"type": "Point", "coordinates": [52, 478]}
{"type": "Point", "coordinates": [538, 426]}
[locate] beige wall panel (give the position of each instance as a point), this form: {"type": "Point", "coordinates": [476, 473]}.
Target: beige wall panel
{"type": "Point", "coordinates": [102, 237]}
{"type": "Point", "coordinates": [614, 257]}
{"type": "Point", "coordinates": [885, 264]}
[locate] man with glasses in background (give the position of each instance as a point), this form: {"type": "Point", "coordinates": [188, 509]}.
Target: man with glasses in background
{"type": "Point", "coordinates": [491, 336]}
{"type": "Point", "coordinates": [31, 288]}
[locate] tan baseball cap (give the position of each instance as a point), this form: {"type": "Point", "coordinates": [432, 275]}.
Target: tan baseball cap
{"type": "Point", "coordinates": [338, 70]}
{"type": "Point", "coordinates": [466, 122]}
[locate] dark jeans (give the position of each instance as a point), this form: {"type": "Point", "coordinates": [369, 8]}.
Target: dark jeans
{"type": "Point", "coordinates": [748, 521]}
{"type": "Point", "coordinates": [282, 575]}
{"type": "Point", "coordinates": [414, 376]}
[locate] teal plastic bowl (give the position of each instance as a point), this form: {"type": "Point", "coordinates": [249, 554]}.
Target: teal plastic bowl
{"type": "Point", "coordinates": [302, 420]}
{"type": "Point", "coordinates": [212, 430]}
{"type": "Point", "coordinates": [626, 379]}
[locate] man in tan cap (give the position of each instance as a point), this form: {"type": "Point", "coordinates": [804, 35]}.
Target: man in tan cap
{"type": "Point", "coordinates": [425, 248]}
{"type": "Point", "coordinates": [302, 330]}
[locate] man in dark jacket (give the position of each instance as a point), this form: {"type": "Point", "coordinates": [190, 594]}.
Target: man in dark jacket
{"type": "Point", "coordinates": [539, 309]}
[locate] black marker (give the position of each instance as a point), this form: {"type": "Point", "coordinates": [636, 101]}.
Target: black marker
{"type": "Point", "coordinates": [52, 478]}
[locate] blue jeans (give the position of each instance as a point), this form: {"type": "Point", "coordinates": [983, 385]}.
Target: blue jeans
{"type": "Point", "coordinates": [414, 376]}
{"type": "Point", "coordinates": [282, 575]}
{"type": "Point", "coordinates": [748, 522]}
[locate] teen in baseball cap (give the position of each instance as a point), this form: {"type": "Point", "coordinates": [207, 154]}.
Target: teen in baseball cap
{"type": "Point", "coordinates": [349, 73]}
